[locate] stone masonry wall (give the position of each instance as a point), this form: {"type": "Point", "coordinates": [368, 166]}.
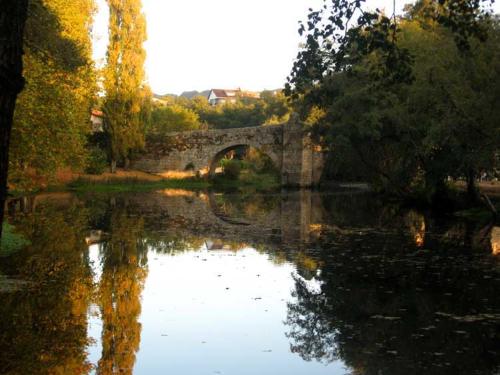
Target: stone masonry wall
{"type": "Point", "coordinates": [197, 152]}
{"type": "Point", "coordinates": [197, 149]}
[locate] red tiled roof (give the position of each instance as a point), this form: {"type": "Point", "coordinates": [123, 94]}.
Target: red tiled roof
{"type": "Point", "coordinates": [97, 113]}
{"type": "Point", "coordinates": [219, 93]}
{"type": "Point", "coordinates": [224, 93]}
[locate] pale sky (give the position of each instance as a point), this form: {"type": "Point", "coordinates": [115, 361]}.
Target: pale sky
{"type": "Point", "coordinates": [200, 44]}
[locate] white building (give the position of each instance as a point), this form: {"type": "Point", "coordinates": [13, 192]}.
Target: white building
{"type": "Point", "coordinates": [97, 120]}
{"type": "Point", "coordinates": [222, 96]}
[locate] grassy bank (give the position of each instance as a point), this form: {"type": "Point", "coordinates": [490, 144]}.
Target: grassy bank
{"type": "Point", "coordinates": [83, 184]}
{"type": "Point", "coordinates": [125, 183]}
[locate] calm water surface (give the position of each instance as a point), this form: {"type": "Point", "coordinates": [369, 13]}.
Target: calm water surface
{"type": "Point", "coordinates": [202, 283]}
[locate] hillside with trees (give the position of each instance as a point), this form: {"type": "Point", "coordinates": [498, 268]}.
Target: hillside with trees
{"type": "Point", "coordinates": [181, 113]}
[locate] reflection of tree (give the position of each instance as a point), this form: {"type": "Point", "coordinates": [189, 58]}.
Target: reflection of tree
{"type": "Point", "coordinates": [416, 226]}
{"type": "Point", "coordinates": [495, 240]}
{"type": "Point", "coordinates": [171, 242]}
{"type": "Point", "coordinates": [44, 329]}
{"type": "Point", "coordinates": [124, 260]}
{"type": "Point", "coordinates": [312, 337]}
{"type": "Point", "coordinates": [385, 307]}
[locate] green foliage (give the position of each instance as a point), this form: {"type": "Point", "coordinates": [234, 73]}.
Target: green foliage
{"type": "Point", "coordinates": [173, 118]}
{"type": "Point", "coordinates": [127, 102]}
{"type": "Point", "coordinates": [190, 114]}
{"type": "Point", "coordinates": [259, 162]}
{"type": "Point", "coordinates": [97, 161]}
{"type": "Point", "coordinates": [135, 184]}
{"type": "Point", "coordinates": [237, 115]}
{"type": "Point", "coordinates": [401, 102]}
{"type": "Point", "coordinates": [11, 241]}
{"type": "Point", "coordinates": [254, 170]}
{"type": "Point", "coordinates": [231, 168]}
{"type": "Point", "coordinates": [51, 120]}
{"type": "Point", "coordinates": [269, 109]}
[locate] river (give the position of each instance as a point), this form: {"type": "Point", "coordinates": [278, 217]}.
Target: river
{"type": "Point", "coordinates": [300, 282]}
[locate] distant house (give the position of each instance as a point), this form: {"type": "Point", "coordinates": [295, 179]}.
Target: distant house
{"type": "Point", "coordinates": [97, 120]}
{"type": "Point", "coordinates": [222, 96]}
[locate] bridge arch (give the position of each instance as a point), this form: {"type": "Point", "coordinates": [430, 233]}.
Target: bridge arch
{"type": "Point", "coordinates": [224, 150]}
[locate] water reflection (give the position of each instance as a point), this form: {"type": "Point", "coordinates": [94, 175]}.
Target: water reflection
{"type": "Point", "coordinates": [385, 312]}
{"type": "Point", "coordinates": [297, 283]}
{"type": "Point", "coordinates": [495, 240]}
{"type": "Point", "coordinates": [43, 329]}
{"type": "Point", "coordinates": [124, 269]}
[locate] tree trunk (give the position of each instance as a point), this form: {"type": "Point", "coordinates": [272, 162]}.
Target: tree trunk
{"type": "Point", "coordinates": [472, 192]}
{"type": "Point", "coordinates": [12, 19]}
{"type": "Point", "coordinates": [113, 166]}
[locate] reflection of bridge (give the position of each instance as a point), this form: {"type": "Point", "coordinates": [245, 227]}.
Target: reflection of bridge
{"type": "Point", "coordinates": [290, 221]}
{"type": "Point", "coordinates": [290, 149]}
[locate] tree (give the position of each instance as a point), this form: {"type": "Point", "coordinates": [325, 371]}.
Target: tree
{"type": "Point", "coordinates": [123, 79]}
{"type": "Point", "coordinates": [12, 19]}
{"type": "Point", "coordinates": [452, 100]}
{"type": "Point", "coordinates": [389, 91]}
{"type": "Point", "coordinates": [51, 121]}
{"type": "Point", "coordinates": [277, 109]}
{"type": "Point", "coordinates": [173, 118]}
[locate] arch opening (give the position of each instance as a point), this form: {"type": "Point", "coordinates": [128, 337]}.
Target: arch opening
{"type": "Point", "coordinates": [243, 159]}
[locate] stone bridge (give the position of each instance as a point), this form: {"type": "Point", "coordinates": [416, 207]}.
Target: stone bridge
{"type": "Point", "coordinates": [198, 152]}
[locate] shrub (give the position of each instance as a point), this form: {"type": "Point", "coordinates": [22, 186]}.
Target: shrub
{"type": "Point", "coordinates": [97, 161]}
{"type": "Point", "coordinates": [259, 162]}
{"type": "Point", "coordinates": [232, 168]}
{"type": "Point", "coordinates": [11, 241]}
{"type": "Point", "coordinates": [173, 118]}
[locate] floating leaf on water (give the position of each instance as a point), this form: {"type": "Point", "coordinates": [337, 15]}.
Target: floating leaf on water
{"type": "Point", "coordinates": [385, 317]}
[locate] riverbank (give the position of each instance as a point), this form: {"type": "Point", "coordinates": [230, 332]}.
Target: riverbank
{"type": "Point", "coordinates": [123, 181]}
{"type": "Point", "coordinates": [491, 188]}
{"type": "Point", "coordinates": [130, 184]}
{"type": "Point", "coordinates": [490, 192]}
{"type": "Point", "coordinates": [137, 181]}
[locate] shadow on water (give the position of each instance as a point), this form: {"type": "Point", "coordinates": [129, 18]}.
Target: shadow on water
{"type": "Point", "coordinates": [380, 289]}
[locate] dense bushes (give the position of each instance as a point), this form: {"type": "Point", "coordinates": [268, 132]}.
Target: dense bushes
{"type": "Point", "coordinates": [250, 167]}
{"type": "Point", "coordinates": [231, 168]}
{"type": "Point", "coordinates": [172, 118]}
{"type": "Point", "coordinates": [178, 114]}
{"type": "Point", "coordinates": [11, 241]}
{"type": "Point", "coordinates": [406, 102]}
{"type": "Point", "coordinates": [97, 161]}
